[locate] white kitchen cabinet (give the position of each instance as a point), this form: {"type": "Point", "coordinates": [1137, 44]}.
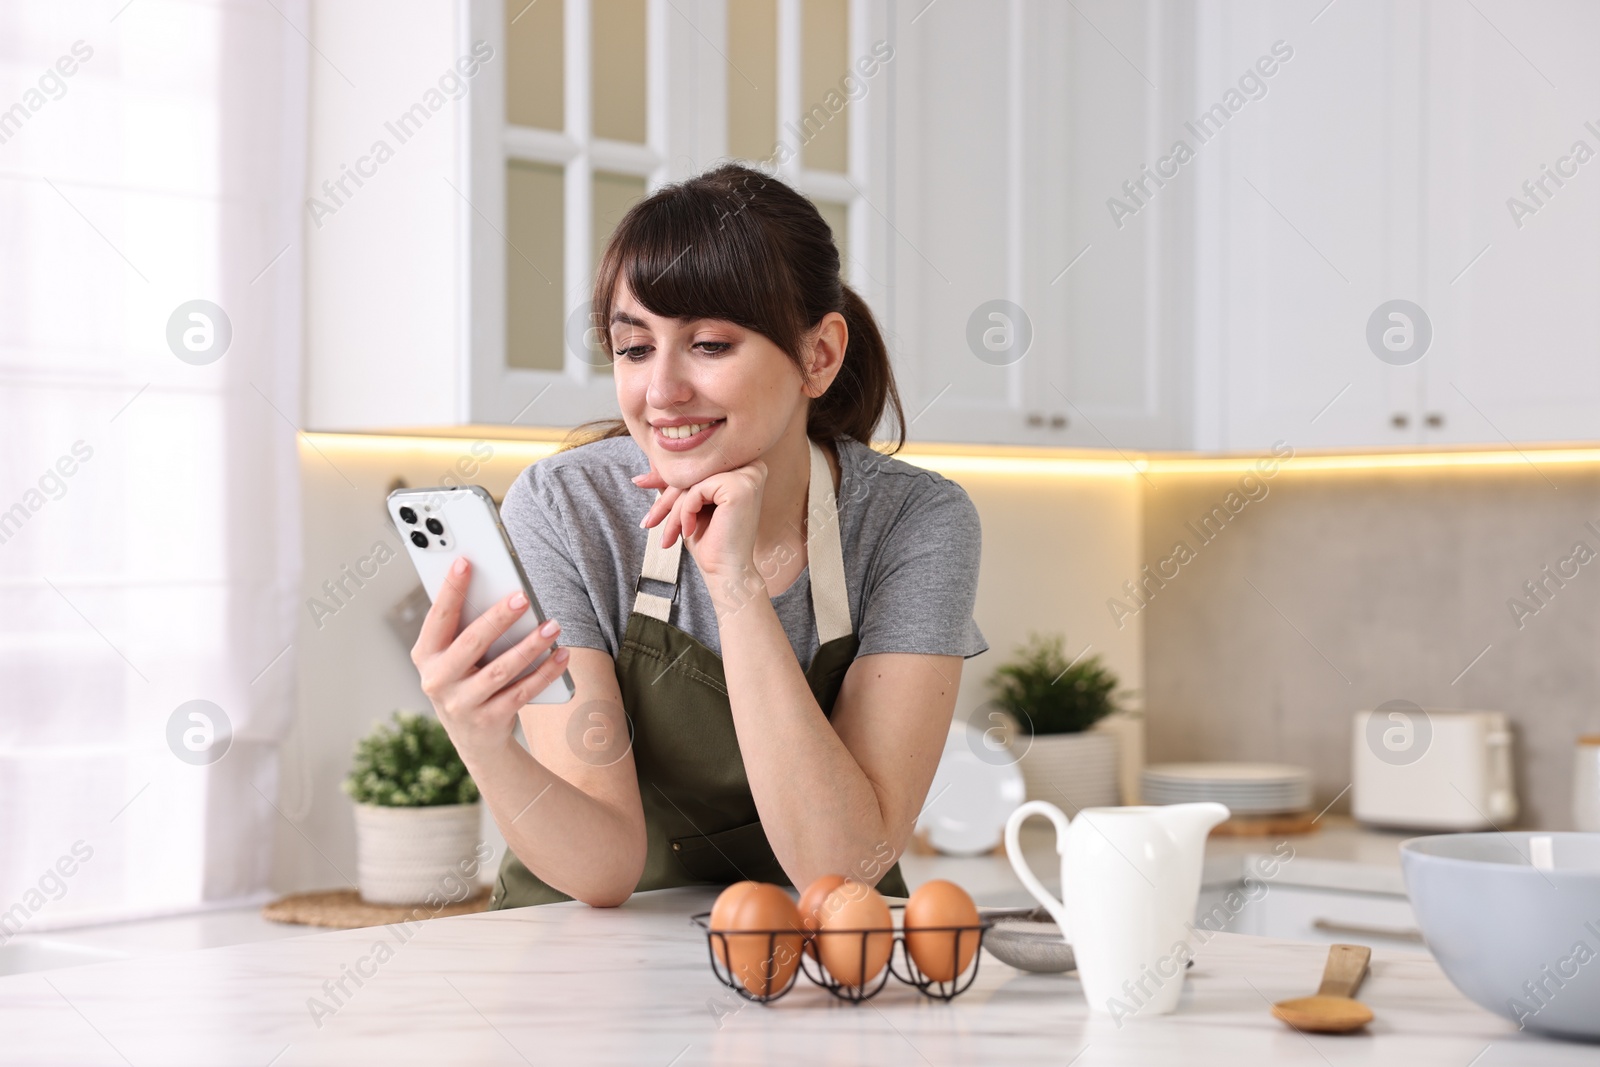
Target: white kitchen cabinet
{"type": "Point", "coordinates": [1304, 914]}
{"type": "Point", "coordinates": [1012, 124]}
{"type": "Point", "coordinates": [1301, 913]}
{"type": "Point", "coordinates": [1298, 196]}
{"type": "Point", "coordinates": [1381, 166]}
{"type": "Point", "coordinates": [1518, 335]}
{"type": "Point", "coordinates": [412, 284]}
{"type": "Point", "coordinates": [1376, 161]}
{"type": "Point", "coordinates": [1379, 160]}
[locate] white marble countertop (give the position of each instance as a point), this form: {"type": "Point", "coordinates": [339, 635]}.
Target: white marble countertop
{"type": "Point", "coordinates": [566, 983]}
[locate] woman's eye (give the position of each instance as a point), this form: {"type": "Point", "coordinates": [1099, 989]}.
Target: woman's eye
{"type": "Point", "coordinates": [713, 347]}
{"type": "Point", "coordinates": [634, 353]}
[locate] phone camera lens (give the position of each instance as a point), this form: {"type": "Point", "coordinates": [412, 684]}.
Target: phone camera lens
{"type": "Point", "coordinates": [435, 526]}
{"type": "Point", "coordinates": [408, 516]}
{"type": "Point", "coordinates": [419, 538]}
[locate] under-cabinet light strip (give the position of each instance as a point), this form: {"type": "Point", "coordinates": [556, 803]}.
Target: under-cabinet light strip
{"type": "Point", "coordinates": [1129, 465]}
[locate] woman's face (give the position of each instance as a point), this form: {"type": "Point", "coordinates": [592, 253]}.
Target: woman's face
{"type": "Point", "coordinates": [737, 390]}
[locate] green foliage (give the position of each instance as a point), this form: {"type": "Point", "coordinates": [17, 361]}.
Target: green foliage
{"type": "Point", "coordinates": [1043, 693]}
{"type": "Point", "coordinates": [411, 764]}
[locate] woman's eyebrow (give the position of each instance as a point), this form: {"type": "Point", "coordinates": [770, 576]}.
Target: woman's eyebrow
{"type": "Point", "coordinates": [627, 319]}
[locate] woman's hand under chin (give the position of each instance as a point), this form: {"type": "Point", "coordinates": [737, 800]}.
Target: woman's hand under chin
{"type": "Point", "coordinates": [717, 518]}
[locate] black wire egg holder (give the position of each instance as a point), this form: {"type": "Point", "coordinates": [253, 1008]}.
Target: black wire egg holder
{"type": "Point", "coordinates": [906, 971]}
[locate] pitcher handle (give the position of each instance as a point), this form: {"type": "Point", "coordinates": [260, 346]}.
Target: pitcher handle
{"type": "Point", "coordinates": [1019, 863]}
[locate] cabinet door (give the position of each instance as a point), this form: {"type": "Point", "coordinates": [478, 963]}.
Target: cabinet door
{"type": "Point", "coordinates": [601, 101]}
{"type": "Point", "coordinates": [1511, 215]}
{"type": "Point", "coordinates": [590, 105]}
{"type": "Point", "coordinates": [1388, 162]}
{"type": "Point", "coordinates": [1307, 205]}
{"type": "Point", "coordinates": [1023, 313]}
{"type": "Point", "coordinates": [1105, 291]}
{"type": "Point", "coordinates": [1299, 913]}
{"type": "Point", "coordinates": [952, 202]}
{"type": "Point", "coordinates": [1326, 915]}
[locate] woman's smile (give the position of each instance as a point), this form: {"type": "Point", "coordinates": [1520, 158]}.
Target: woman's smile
{"type": "Point", "coordinates": [682, 438]}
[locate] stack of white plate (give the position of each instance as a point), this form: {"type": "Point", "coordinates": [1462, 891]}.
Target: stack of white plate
{"type": "Point", "coordinates": [1246, 788]}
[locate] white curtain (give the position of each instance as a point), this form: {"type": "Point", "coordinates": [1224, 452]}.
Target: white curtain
{"type": "Point", "coordinates": [152, 155]}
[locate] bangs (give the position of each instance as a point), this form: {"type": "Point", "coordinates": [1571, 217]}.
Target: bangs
{"type": "Point", "coordinates": [695, 253]}
{"type": "Point", "coordinates": [741, 246]}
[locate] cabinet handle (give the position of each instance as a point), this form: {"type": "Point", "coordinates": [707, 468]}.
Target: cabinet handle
{"type": "Point", "coordinates": [1435, 420]}
{"type": "Point", "coordinates": [1393, 933]}
{"type": "Point", "coordinates": [1400, 420]}
{"type": "Point", "coordinates": [1058, 422]}
{"type": "Point", "coordinates": [1035, 419]}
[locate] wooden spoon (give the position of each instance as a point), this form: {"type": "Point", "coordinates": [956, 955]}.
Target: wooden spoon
{"type": "Point", "coordinates": [1332, 1010]}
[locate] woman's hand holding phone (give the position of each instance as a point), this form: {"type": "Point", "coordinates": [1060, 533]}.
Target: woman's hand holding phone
{"type": "Point", "coordinates": [476, 705]}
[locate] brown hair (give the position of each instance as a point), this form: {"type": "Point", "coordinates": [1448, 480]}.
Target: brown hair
{"type": "Point", "coordinates": [739, 245]}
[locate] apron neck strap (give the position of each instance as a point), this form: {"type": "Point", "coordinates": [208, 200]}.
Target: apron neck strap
{"type": "Point", "coordinates": [830, 596]}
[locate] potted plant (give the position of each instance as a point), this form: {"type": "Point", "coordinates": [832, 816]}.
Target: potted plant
{"type": "Point", "coordinates": [1055, 705]}
{"type": "Point", "coordinates": [417, 815]}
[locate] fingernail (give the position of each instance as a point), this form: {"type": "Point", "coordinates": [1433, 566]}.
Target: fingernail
{"type": "Point", "coordinates": [549, 628]}
{"type": "Point", "coordinates": [560, 655]}
{"type": "Point", "coordinates": [459, 566]}
{"type": "Point", "coordinates": [518, 601]}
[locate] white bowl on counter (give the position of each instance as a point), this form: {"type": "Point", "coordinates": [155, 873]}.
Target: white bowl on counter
{"type": "Point", "coordinates": [1514, 921]}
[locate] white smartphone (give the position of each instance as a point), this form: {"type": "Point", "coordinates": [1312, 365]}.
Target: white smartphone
{"type": "Point", "coordinates": [437, 525]}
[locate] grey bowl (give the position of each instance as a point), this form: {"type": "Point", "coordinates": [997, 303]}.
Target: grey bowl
{"type": "Point", "coordinates": [1030, 945]}
{"type": "Point", "coordinates": [1521, 941]}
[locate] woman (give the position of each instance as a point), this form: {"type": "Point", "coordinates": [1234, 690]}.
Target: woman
{"type": "Point", "coordinates": [773, 708]}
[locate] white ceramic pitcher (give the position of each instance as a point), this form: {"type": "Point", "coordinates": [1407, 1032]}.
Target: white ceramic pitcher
{"type": "Point", "coordinates": [1130, 878]}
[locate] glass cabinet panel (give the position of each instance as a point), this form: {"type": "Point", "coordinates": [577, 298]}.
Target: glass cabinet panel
{"type": "Point", "coordinates": [617, 69]}
{"type": "Point", "coordinates": [534, 67]}
{"type": "Point", "coordinates": [535, 245]}
{"type": "Point", "coordinates": [824, 61]}
{"type": "Point", "coordinates": [752, 78]}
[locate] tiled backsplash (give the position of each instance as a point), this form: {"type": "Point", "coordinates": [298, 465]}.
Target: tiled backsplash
{"type": "Point", "coordinates": [1314, 593]}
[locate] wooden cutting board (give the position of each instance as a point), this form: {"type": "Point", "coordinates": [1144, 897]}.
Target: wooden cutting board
{"type": "Point", "coordinates": [1299, 822]}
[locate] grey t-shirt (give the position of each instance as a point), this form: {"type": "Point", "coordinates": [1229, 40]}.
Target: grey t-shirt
{"type": "Point", "coordinates": [911, 541]}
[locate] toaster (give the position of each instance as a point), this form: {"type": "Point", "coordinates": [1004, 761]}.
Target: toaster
{"type": "Point", "coordinates": [1429, 769]}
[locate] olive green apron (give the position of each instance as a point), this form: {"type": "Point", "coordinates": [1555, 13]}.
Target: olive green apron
{"type": "Point", "coordinates": [700, 818]}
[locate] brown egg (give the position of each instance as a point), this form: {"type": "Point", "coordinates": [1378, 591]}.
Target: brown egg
{"type": "Point", "coordinates": [811, 906]}
{"type": "Point", "coordinates": [722, 914]}
{"type": "Point", "coordinates": [941, 954]}
{"type": "Point", "coordinates": [764, 961]}
{"type": "Point", "coordinates": [855, 905]}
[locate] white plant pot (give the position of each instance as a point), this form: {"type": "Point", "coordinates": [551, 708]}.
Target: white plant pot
{"type": "Point", "coordinates": [1071, 771]}
{"type": "Point", "coordinates": [404, 854]}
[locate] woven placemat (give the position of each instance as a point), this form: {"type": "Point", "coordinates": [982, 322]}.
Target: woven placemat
{"type": "Point", "coordinates": [343, 909]}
